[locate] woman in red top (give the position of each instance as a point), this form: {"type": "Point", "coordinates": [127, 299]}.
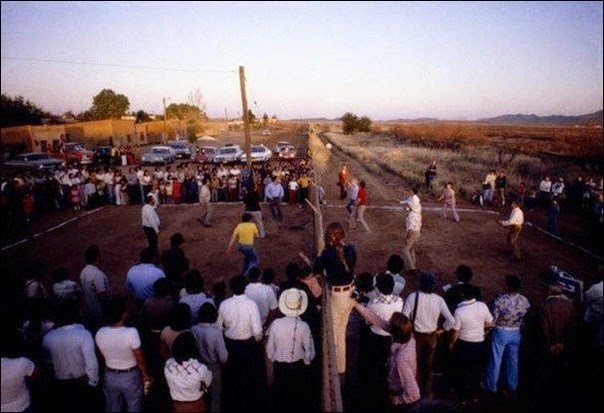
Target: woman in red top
{"type": "Point", "coordinates": [362, 205]}
{"type": "Point", "coordinates": [177, 191]}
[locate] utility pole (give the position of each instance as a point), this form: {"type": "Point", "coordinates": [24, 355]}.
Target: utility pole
{"type": "Point", "coordinates": [165, 126]}
{"type": "Point", "coordinates": [246, 119]}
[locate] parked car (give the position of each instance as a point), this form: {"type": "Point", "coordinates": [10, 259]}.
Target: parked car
{"type": "Point", "coordinates": [266, 132]}
{"type": "Point", "coordinates": [259, 153]}
{"type": "Point", "coordinates": [280, 145]}
{"type": "Point", "coordinates": [181, 148]}
{"type": "Point", "coordinates": [228, 153]}
{"type": "Point", "coordinates": [159, 155]}
{"type": "Point", "coordinates": [33, 160]}
{"type": "Point", "coordinates": [288, 152]}
{"type": "Point", "coordinates": [102, 155]}
{"type": "Point", "coordinates": [74, 152]}
{"type": "Point", "coordinates": [206, 154]}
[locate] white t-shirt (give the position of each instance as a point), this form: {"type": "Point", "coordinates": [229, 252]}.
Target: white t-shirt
{"type": "Point", "coordinates": [116, 345]}
{"type": "Point", "coordinates": [470, 318]}
{"type": "Point", "coordinates": [264, 297]}
{"type": "Point", "coordinates": [184, 380]}
{"type": "Point", "coordinates": [15, 393]}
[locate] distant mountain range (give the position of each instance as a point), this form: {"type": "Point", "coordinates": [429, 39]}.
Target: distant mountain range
{"type": "Point", "coordinates": [596, 118]}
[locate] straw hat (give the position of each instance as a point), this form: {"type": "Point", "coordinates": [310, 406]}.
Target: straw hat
{"type": "Point", "coordinates": [293, 302]}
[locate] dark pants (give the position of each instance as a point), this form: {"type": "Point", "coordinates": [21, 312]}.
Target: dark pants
{"type": "Point", "coordinates": [75, 395]}
{"type": "Point", "coordinates": [152, 238]}
{"type": "Point", "coordinates": [425, 343]}
{"type": "Point", "coordinates": [275, 208]}
{"type": "Point", "coordinates": [379, 348]}
{"type": "Point", "coordinates": [292, 387]}
{"type": "Point", "coordinates": [469, 365]}
{"type": "Point", "coordinates": [244, 377]}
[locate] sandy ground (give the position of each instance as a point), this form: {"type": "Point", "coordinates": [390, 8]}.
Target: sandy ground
{"type": "Point", "coordinates": [476, 241]}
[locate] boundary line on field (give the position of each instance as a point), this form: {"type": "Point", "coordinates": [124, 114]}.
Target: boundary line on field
{"type": "Point", "coordinates": [51, 229]}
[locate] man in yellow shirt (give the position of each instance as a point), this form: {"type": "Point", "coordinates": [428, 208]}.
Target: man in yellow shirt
{"type": "Point", "coordinates": [304, 182]}
{"type": "Point", "coordinates": [244, 233]}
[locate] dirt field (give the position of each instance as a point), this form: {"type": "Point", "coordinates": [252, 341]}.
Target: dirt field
{"type": "Point", "coordinates": [476, 241]}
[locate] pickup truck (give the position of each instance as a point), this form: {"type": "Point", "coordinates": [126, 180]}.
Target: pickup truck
{"type": "Point", "coordinates": [74, 152]}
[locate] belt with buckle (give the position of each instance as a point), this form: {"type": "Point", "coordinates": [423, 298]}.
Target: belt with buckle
{"type": "Point", "coordinates": [119, 370]}
{"type": "Point", "coordinates": [342, 288]}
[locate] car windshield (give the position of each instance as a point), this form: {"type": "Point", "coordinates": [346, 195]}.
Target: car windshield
{"type": "Point", "coordinates": [179, 145]}
{"type": "Point", "coordinates": [160, 150]}
{"type": "Point", "coordinates": [227, 150]}
{"type": "Point", "coordinates": [257, 149]}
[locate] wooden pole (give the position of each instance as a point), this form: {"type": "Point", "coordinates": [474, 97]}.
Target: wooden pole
{"type": "Point", "coordinates": [246, 119]}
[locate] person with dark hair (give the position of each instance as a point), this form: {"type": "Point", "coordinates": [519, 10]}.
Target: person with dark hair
{"type": "Point", "coordinates": [212, 350]}
{"type": "Point", "coordinates": [394, 267]}
{"type": "Point", "coordinates": [74, 363]}
{"type": "Point", "coordinates": [219, 292]}
{"type": "Point", "coordinates": [174, 261]}
{"type": "Point", "coordinates": [448, 196]}
{"type": "Point", "coordinates": [268, 276]}
{"type": "Point", "coordinates": [151, 221]}
{"type": "Point", "coordinates": [251, 200]}
{"type": "Point", "coordinates": [16, 372]}
{"type": "Point", "coordinates": [95, 289]}
{"type": "Point", "coordinates": [430, 174]}
{"type": "Point", "coordinates": [514, 223]}
{"type": "Point", "coordinates": [453, 295]}
{"type": "Point", "coordinates": [509, 310]}
{"type": "Point", "coordinates": [244, 373]}
{"type": "Point", "coordinates": [274, 194]}
{"type": "Point", "coordinates": [205, 196]}
{"type": "Point", "coordinates": [339, 260]}
{"type": "Point", "coordinates": [413, 228]}
{"type": "Point", "coordinates": [64, 288]}
{"type": "Point", "coordinates": [142, 276]}
{"type": "Point", "coordinates": [188, 379]}
{"type": "Point", "coordinates": [472, 317]}
{"type": "Point", "coordinates": [262, 295]}
{"type": "Point", "coordinates": [384, 305]}
{"type": "Point", "coordinates": [195, 296]}
{"type": "Point", "coordinates": [244, 233]}
{"type": "Point", "coordinates": [156, 310]}
{"type": "Point", "coordinates": [402, 368]}
{"type": "Point", "coordinates": [362, 201]}
{"type": "Point", "coordinates": [424, 308]}
{"type": "Point", "coordinates": [125, 367]}
{"type": "Point", "coordinates": [180, 320]}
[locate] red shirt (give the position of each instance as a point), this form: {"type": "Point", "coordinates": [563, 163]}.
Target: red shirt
{"type": "Point", "coordinates": [362, 196]}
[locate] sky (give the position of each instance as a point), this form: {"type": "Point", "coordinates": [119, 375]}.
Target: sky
{"type": "Point", "coordinates": [385, 60]}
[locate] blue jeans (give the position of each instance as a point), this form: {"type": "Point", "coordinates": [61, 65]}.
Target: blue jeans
{"type": "Point", "coordinates": [504, 344]}
{"type": "Point", "coordinates": [250, 258]}
{"type": "Point", "coordinates": [124, 387]}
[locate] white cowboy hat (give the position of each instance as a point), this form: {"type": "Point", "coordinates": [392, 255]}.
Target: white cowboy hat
{"type": "Point", "coordinates": [293, 302]}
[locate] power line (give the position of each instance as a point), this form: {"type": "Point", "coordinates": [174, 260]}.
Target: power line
{"type": "Point", "coordinates": [73, 62]}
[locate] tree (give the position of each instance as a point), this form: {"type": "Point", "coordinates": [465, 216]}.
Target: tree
{"type": "Point", "coordinates": [18, 111]}
{"type": "Point", "coordinates": [142, 116]}
{"type": "Point", "coordinates": [349, 123]}
{"type": "Point", "coordinates": [364, 124]}
{"type": "Point", "coordinates": [109, 105]}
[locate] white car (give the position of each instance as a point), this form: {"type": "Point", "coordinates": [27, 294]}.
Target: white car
{"type": "Point", "coordinates": [228, 153]}
{"type": "Point", "coordinates": [259, 153]}
{"type": "Point", "coordinates": [159, 155]}
{"type": "Point", "coordinates": [280, 145]}
{"type": "Point", "coordinates": [266, 132]}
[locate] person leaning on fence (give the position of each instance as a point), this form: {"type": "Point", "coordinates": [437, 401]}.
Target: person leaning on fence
{"type": "Point", "coordinates": [338, 260]}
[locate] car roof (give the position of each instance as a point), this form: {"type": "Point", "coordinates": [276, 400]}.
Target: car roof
{"type": "Point", "coordinates": [161, 147]}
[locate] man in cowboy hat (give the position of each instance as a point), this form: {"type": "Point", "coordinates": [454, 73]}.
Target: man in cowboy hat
{"type": "Point", "coordinates": [290, 347]}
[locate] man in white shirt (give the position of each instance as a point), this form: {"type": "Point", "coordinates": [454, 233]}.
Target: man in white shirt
{"type": "Point", "coordinates": [352, 192]}
{"type": "Point", "coordinates": [151, 222]}
{"type": "Point", "coordinates": [489, 186]}
{"type": "Point", "coordinates": [424, 308]}
{"type": "Point", "coordinates": [274, 195]}
{"type": "Point", "coordinates": [95, 289]}
{"type": "Point", "coordinates": [205, 196]}
{"type": "Point", "coordinates": [467, 344]}
{"type": "Point", "coordinates": [70, 348]}
{"type": "Point", "coordinates": [514, 223]}
{"type": "Point", "coordinates": [291, 348]}
{"type": "Point", "coordinates": [244, 375]}
{"type": "Point", "coordinates": [263, 295]}
{"type": "Point", "coordinates": [413, 227]}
